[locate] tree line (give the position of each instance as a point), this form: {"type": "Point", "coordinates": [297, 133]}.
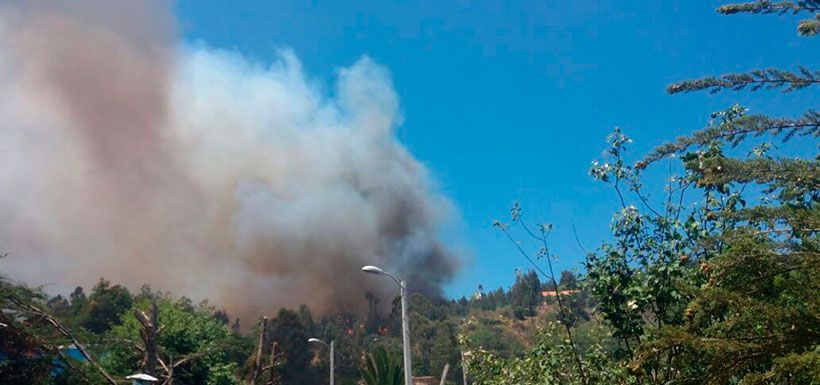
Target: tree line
{"type": "Point", "coordinates": [200, 344]}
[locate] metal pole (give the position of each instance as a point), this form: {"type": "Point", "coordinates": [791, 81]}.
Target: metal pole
{"type": "Point", "coordinates": [331, 363]}
{"type": "Point", "coordinates": [405, 333]}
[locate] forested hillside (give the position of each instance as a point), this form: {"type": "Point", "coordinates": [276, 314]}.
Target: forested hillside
{"type": "Point", "coordinates": [206, 345]}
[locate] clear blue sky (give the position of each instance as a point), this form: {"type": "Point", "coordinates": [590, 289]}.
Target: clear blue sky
{"type": "Point", "coordinates": [511, 100]}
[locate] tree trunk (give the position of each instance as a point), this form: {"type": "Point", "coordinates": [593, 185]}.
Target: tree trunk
{"type": "Point", "coordinates": [444, 373]}
{"type": "Point", "coordinates": [260, 352]}
{"type": "Point", "coordinates": [148, 333]}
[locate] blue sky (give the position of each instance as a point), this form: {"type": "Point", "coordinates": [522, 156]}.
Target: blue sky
{"type": "Point", "coordinates": [511, 100]}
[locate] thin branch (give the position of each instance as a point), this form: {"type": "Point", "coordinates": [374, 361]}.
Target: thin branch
{"type": "Point", "coordinates": [577, 240]}
{"type": "Point", "coordinates": [551, 276]}
{"type": "Point", "coordinates": [561, 308]}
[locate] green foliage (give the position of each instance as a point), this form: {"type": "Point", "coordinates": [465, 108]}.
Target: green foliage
{"type": "Point", "coordinates": [291, 334]}
{"type": "Point", "coordinates": [720, 295]}
{"type": "Point", "coordinates": [643, 273]}
{"type": "Point", "coordinates": [25, 357]}
{"type": "Point", "coordinates": [568, 281]}
{"type": "Point", "coordinates": [541, 235]}
{"type": "Point", "coordinates": [492, 336]}
{"type": "Point", "coordinates": [383, 367]}
{"type": "Point", "coordinates": [105, 306]}
{"type": "Point", "coordinates": [28, 343]}
{"type": "Point", "coordinates": [525, 294]}
{"type": "Point", "coordinates": [743, 276]}
{"type": "Point", "coordinates": [349, 339]}
{"type": "Point", "coordinates": [548, 362]}
{"type": "Point", "coordinates": [713, 289]}
{"type": "Point", "coordinates": [444, 349]}
{"type": "Point", "coordinates": [187, 332]}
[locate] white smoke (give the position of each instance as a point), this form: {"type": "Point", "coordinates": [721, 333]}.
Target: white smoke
{"type": "Point", "coordinates": [126, 154]}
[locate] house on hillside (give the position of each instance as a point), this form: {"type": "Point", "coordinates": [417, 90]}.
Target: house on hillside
{"type": "Point", "coordinates": [549, 295]}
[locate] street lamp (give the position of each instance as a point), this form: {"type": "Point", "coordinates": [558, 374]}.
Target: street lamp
{"type": "Point", "coordinates": [405, 321]}
{"type": "Point", "coordinates": [330, 346]}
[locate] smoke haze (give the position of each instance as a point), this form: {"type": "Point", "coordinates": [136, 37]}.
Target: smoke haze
{"type": "Point", "coordinates": [127, 154]}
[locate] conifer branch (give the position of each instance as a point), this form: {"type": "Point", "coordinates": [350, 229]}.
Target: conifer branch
{"type": "Point", "coordinates": [806, 27]}
{"type": "Point", "coordinates": [795, 217]}
{"type": "Point", "coordinates": [768, 7]}
{"type": "Point", "coordinates": [734, 128]}
{"type": "Point", "coordinates": [771, 78]}
{"type": "Point", "coordinates": [809, 27]}
{"type": "Point", "coordinates": [803, 173]}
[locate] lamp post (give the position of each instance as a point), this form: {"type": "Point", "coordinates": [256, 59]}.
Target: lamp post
{"type": "Point", "coordinates": [405, 321]}
{"type": "Point", "coordinates": [330, 346]}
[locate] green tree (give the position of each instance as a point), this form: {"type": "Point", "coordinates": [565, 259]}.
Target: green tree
{"type": "Point", "coordinates": [26, 357]}
{"type": "Point", "coordinates": [525, 294]}
{"type": "Point", "coordinates": [724, 292]}
{"type": "Point", "coordinates": [190, 337]}
{"type": "Point", "coordinates": [291, 335]}
{"type": "Point", "coordinates": [444, 350]}
{"type": "Point", "coordinates": [30, 340]}
{"type": "Point", "coordinates": [347, 332]}
{"type": "Point", "coordinates": [105, 306]}
{"type": "Point", "coordinates": [549, 361]}
{"type": "Point", "coordinates": [568, 281]}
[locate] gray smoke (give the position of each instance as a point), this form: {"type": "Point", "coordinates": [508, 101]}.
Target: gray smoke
{"type": "Point", "coordinates": [127, 154]}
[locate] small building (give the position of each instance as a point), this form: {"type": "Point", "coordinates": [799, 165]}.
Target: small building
{"type": "Point", "coordinates": [550, 295]}
{"type": "Point", "coordinates": [553, 293]}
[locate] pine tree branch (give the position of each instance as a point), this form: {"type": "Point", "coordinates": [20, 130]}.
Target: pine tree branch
{"type": "Point", "coordinates": [735, 128]}
{"type": "Point", "coordinates": [786, 230]}
{"type": "Point", "coordinates": [808, 27]}
{"type": "Point", "coordinates": [771, 78]}
{"type": "Point", "coordinates": [797, 218]}
{"type": "Point", "coordinates": [769, 7]}
{"type": "Point", "coordinates": [803, 173]}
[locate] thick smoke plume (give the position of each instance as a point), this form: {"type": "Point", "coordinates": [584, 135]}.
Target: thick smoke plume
{"type": "Point", "coordinates": [127, 154]}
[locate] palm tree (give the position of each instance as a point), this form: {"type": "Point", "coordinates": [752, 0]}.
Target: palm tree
{"type": "Point", "coordinates": [382, 368]}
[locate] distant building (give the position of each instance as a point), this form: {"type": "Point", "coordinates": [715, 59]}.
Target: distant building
{"type": "Point", "coordinates": [553, 293]}
{"type": "Point", "coordinates": [549, 295]}
{"type": "Point", "coordinates": [479, 294]}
